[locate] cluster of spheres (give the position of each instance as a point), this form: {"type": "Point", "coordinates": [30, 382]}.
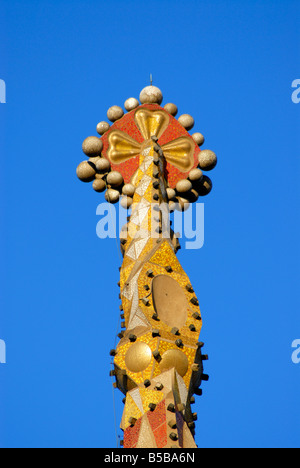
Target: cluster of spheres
{"type": "Point", "coordinates": [97, 169]}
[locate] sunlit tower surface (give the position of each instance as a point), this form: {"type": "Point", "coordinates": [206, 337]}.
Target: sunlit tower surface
{"type": "Point", "coordinates": [147, 159]}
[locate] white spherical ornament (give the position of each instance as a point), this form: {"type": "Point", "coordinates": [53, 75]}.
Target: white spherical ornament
{"type": "Point", "coordinates": [207, 160]}
{"type": "Point", "coordinates": [151, 95]}
{"type": "Point", "coordinates": [186, 121]}
{"type": "Point", "coordinates": [114, 178]}
{"type": "Point", "coordinates": [171, 109]}
{"type": "Point", "coordinates": [126, 202]}
{"type": "Point", "coordinates": [171, 193]}
{"type": "Point", "coordinates": [183, 186]}
{"type": "Point", "coordinates": [92, 146]}
{"type": "Point", "coordinates": [128, 190]}
{"type": "Point", "coordinates": [195, 174]}
{"type": "Point", "coordinates": [86, 171]}
{"type": "Point", "coordinates": [112, 196]}
{"type": "Point", "coordinates": [103, 165]}
{"type": "Point", "coordinates": [103, 127]}
{"type": "Point", "coordinates": [115, 113]}
{"type": "Point", "coordinates": [99, 185]}
{"type": "Point", "coordinates": [131, 103]}
{"type": "Point", "coordinates": [183, 204]}
{"type": "Point", "coordinates": [198, 138]}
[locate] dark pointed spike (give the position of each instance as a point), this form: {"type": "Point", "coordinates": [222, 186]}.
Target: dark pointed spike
{"type": "Point", "coordinates": [196, 316]}
{"type": "Point", "coordinates": [172, 423]}
{"type": "Point", "coordinates": [156, 355]}
{"type": "Point", "coordinates": [171, 408]}
{"type": "Point", "coordinates": [155, 317]}
{"type": "Point", "coordinates": [152, 406]}
{"type": "Point", "coordinates": [189, 288]}
{"type": "Point", "coordinates": [132, 421]}
{"type": "Point", "coordinates": [159, 387]}
{"type": "Point", "coordinates": [132, 337]}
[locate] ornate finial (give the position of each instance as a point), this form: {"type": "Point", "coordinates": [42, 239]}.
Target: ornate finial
{"type": "Point", "coordinates": [121, 143]}
{"type": "Point", "coordinates": [147, 158]}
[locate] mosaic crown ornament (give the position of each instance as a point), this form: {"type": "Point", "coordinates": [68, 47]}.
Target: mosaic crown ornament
{"type": "Point", "coordinates": [148, 159]}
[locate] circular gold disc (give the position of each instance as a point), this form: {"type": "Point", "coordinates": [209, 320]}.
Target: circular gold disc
{"type": "Point", "coordinates": [174, 358]}
{"type": "Point", "coordinates": [138, 357]}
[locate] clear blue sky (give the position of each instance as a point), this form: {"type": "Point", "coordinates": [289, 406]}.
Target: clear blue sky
{"type": "Point", "coordinates": [228, 63]}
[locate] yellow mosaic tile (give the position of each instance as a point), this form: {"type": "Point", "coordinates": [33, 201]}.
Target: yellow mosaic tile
{"type": "Point", "coordinates": [130, 410]}
{"type": "Point", "coordinates": [150, 396]}
{"type": "Point", "coordinates": [166, 256]}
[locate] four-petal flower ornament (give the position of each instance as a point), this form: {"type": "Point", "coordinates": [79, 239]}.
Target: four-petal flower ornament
{"type": "Point", "coordinates": [115, 157]}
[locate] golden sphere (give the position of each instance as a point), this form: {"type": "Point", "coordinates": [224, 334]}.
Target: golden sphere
{"type": "Point", "coordinates": [92, 146]}
{"type": "Point", "coordinates": [138, 357]}
{"type": "Point", "coordinates": [183, 204]}
{"type": "Point", "coordinates": [171, 193]}
{"type": "Point", "coordinates": [103, 165]}
{"type": "Point", "coordinates": [94, 160]}
{"type": "Point", "coordinates": [186, 121]}
{"type": "Point", "coordinates": [195, 174]}
{"type": "Point", "coordinates": [112, 196]}
{"type": "Point", "coordinates": [198, 138]}
{"type": "Point", "coordinates": [128, 190]}
{"type": "Point", "coordinates": [183, 186]}
{"type": "Point", "coordinates": [171, 109]}
{"type": "Point", "coordinates": [86, 171]}
{"type": "Point", "coordinates": [151, 95]}
{"type": "Point", "coordinates": [207, 160]}
{"type": "Point", "coordinates": [115, 113]}
{"type": "Point", "coordinates": [126, 201]}
{"type": "Point", "coordinates": [114, 178]}
{"type": "Point", "coordinates": [103, 127]}
{"type": "Point", "coordinates": [99, 185]}
{"type": "Point", "coordinates": [174, 358]}
{"type": "Point", "coordinates": [131, 103]}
